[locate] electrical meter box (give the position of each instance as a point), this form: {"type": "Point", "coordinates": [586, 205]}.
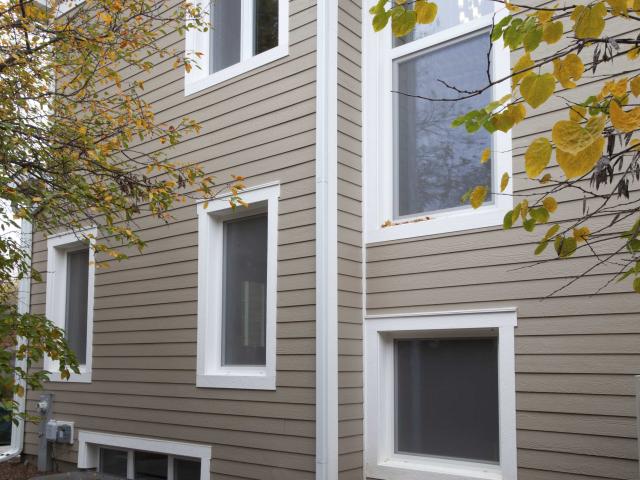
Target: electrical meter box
{"type": "Point", "coordinates": [59, 431]}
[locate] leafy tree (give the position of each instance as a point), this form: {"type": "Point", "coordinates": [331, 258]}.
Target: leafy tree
{"type": "Point", "coordinates": [595, 145]}
{"type": "Point", "coordinates": [79, 144]}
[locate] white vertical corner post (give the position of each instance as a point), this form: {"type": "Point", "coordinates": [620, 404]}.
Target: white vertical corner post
{"type": "Point", "coordinates": [327, 241]}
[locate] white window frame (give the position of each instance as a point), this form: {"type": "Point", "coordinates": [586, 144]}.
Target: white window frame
{"type": "Point", "coordinates": [378, 116]}
{"type": "Point", "coordinates": [200, 78]}
{"type": "Point", "coordinates": [211, 217]}
{"type": "Point", "coordinates": [56, 294]}
{"type": "Point", "coordinates": [90, 443]}
{"type": "Point", "coordinates": [381, 460]}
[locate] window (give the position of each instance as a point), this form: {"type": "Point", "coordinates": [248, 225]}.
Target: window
{"type": "Point", "coordinates": [245, 34]}
{"type": "Point", "coordinates": [136, 458]}
{"type": "Point", "coordinates": [417, 165]}
{"type": "Point", "coordinates": [237, 261]}
{"type": "Point", "coordinates": [69, 301]}
{"type": "Point", "coordinates": [440, 397]}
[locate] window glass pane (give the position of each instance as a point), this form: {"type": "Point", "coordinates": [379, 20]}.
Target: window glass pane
{"type": "Point", "coordinates": [245, 283]}
{"type": "Point", "coordinates": [447, 398]}
{"type": "Point", "coordinates": [225, 33]}
{"type": "Point", "coordinates": [5, 420]}
{"type": "Point", "coordinates": [113, 462]}
{"type": "Point", "coordinates": [265, 25]}
{"type": "Point", "coordinates": [434, 163]}
{"type": "Point", "coordinates": [450, 14]}
{"type": "Point", "coordinates": [186, 469]}
{"type": "Point", "coordinates": [150, 465]}
{"type": "Point", "coordinates": [76, 304]}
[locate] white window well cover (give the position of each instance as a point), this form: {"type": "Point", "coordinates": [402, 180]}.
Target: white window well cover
{"type": "Point", "coordinates": [244, 35]}
{"type": "Point", "coordinates": [440, 396]}
{"type": "Point", "coordinates": [70, 297]}
{"type": "Point", "coordinates": [417, 167]}
{"type": "Point", "coordinates": [237, 276]}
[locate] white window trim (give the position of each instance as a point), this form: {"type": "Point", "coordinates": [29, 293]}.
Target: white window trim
{"type": "Point", "coordinates": [210, 371]}
{"type": "Point", "coordinates": [200, 78]}
{"type": "Point", "coordinates": [378, 129]}
{"type": "Point", "coordinates": [57, 248]}
{"type": "Point", "coordinates": [381, 461]}
{"type": "Point", "coordinates": [89, 444]}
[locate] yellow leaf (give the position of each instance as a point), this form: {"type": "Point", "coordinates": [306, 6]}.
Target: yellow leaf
{"type": "Point", "coordinates": [589, 20]}
{"type": "Point", "coordinates": [616, 88]}
{"type": "Point", "coordinates": [550, 204]}
{"type": "Point", "coordinates": [572, 138]}
{"type": "Point", "coordinates": [511, 7]}
{"type": "Point", "coordinates": [624, 121]}
{"type": "Point", "coordinates": [577, 113]}
{"type": "Point", "coordinates": [486, 154]}
{"type": "Point", "coordinates": [537, 157]}
{"type": "Point", "coordinates": [536, 89]}
{"type": "Point", "coordinates": [187, 67]}
{"type": "Point", "coordinates": [633, 53]}
{"type": "Point", "coordinates": [618, 7]}
{"type": "Point", "coordinates": [568, 69]}
{"type": "Point", "coordinates": [552, 32]}
{"type": "Point", "coordinates": [635, 86]}
{"type": "Point", "coordinates": [504, 181]}
{"type": "Point", "coordinates": [581, 234]}
{"type": "Point", "coordinates": [520, 69]}
{"type": "Point", "coordinates": [582, 162]}
{"type": "Point", "coordinates": [105, 17]}
{"type": "Point", "coordinates": [544, 15]}
{"type": "Point", "coordinates": [426, 11]}
{"type": "Point", "coordinates": [478, 196]}
{"type": "Point", "coordinates": [512, 115]}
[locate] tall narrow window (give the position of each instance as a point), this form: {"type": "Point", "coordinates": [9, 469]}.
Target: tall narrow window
{"type": "Point", "coordinates": [77, 301]}
{"type": "Point", "coordinates": [244, 35]}
{"type": "Point", "coordinates": [226, 34]}
{"type": "Point", "coordinates": [69, 302]}
{"type": "Point", "coordinates": [245, 291]}
{"type": "Point", "coordinates": [237, 275]}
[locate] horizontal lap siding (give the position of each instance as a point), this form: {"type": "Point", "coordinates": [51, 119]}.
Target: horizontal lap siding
{"type": "Point", "coordinates": [259, 125]}
{"type": "Point", "coordinates": [576, 353]}
{"type": "Point", "coordinates": [350, 408]}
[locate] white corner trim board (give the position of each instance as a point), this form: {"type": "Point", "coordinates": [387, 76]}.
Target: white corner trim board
{"type": "Point", "coordinates": [327, 241]}
{"type": "Point", "coordinates": [210, 372]}
{"type": "Point", "coordinates": [57, 247]}
{"type": "Point", "coordinates": [381, 459]}
{"type": "Point", "coordinates": [24, 306]}
{"type": "Point", "coordinates": [89, 444]}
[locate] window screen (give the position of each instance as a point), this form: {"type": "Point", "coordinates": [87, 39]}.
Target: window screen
{"type": "Point", "coordinates": [226, 33]}
{"type": "Point", "coordinates": [447, 398]}
{"type": "Point", "coordinates": [435, 164]}
{"type": "Point", "coordinates": [76, 302]}
{"type": "Point", "coordinates": [265, 25]}
{"type": "Point", "coordinates": [151, 466]}
{"type": "Point", "coordinates": [244, 294]}
{"type": "Point", "coordinates": [113, 462]}
{"type": "Point", "coordinates": [186, 469]}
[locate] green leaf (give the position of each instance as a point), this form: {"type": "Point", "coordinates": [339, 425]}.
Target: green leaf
{"type": "Point", "coordinates": [636, 284]}
{"type": "Point", "coordinates": [507, 222]}
{"type": "Point", "coordinates": [529, 224]}
{"type": "Point", "coordinates": [541, 247]}
{"type": "Point", "coordinates": [532, 39]}
{"type": "Point", "coordinates": [380, 21]}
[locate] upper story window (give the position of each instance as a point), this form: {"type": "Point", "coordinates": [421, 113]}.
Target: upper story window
{"type": "Point", "coordinates": [418, 166]}
{"type": "Point", "coordinates": [237, 274]}
{"type": "Point", "coordinates": [69, 298]}
{"type": "Point", "coordinates": [245, 34]}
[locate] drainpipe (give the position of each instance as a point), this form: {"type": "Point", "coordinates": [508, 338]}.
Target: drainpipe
{"type": "Point", "coordinates": [24, 294]}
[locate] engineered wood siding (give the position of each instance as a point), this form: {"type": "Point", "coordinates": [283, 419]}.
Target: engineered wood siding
{"type": "Point", "coordinates": [350, 243]}
{"type": "Point", "coordinates": [576, 352]}
{"type": "Point", "coordinates": [260, 125]}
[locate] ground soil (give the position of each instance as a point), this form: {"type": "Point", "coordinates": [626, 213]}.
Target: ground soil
{"type": "Point", "coordinates": [17, 471]}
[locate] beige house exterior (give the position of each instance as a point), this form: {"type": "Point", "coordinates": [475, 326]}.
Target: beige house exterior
{"type": "Point", "coordinates": [307, 122]}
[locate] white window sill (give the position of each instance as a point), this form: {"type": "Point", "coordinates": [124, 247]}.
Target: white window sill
{"type": "Point", "coordinates": [407, 467]}
{"type": "Point", "coordinates": [257, 380]}
{"type": "Point", "coordinates": [446, 222]}
{"type": "Point", "coordinates": [82, 377]}
{"type": "Point", "coordinates": [197, 79]}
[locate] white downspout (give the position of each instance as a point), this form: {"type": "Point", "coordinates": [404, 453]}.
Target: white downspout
{"type": "Point", "coordinates": [327, 241]}
{"type": "Point", "coordinates": [24, 301]}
